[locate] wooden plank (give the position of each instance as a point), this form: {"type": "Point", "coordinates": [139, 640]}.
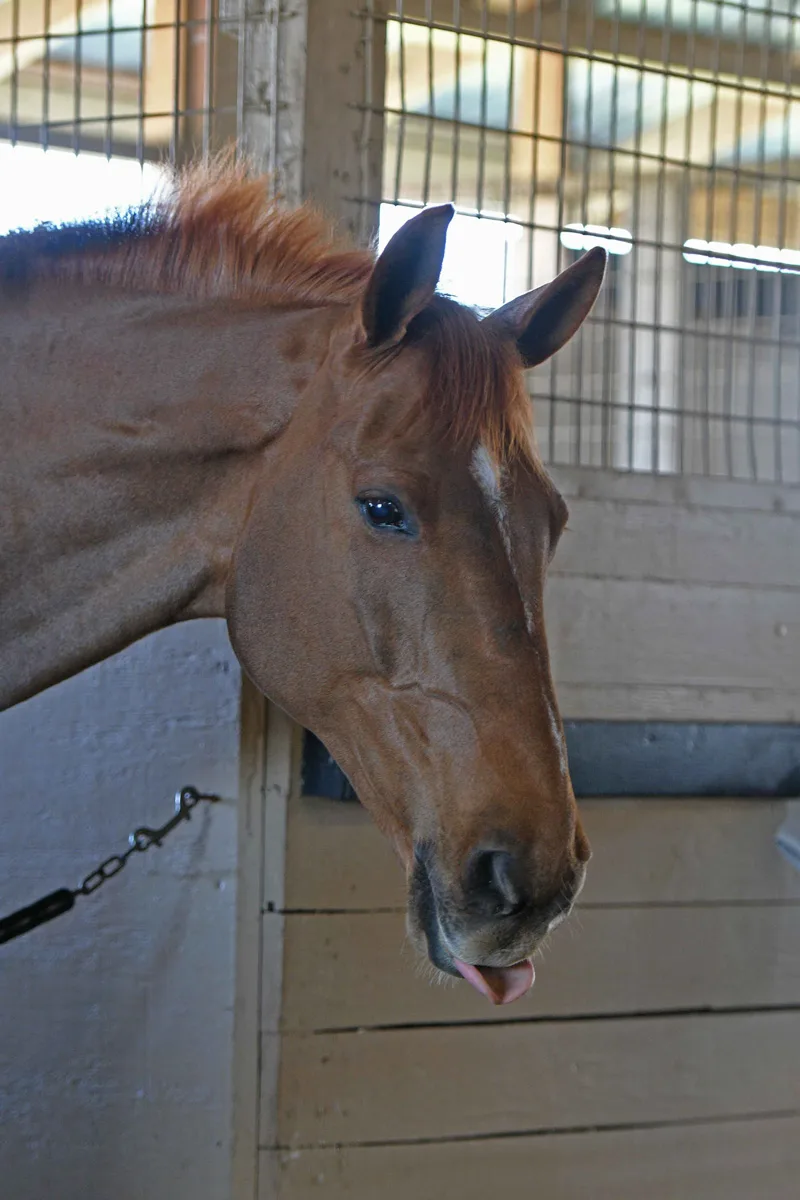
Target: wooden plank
{"type": "Point", "coordinates": [632, 632]}
{"type": "Point", "coordinates": [355, 970]}
{"type": "Point", "coordinates": [687, 492]}
{"type": "Point", "coordinates": [475, 1080]}
{"type": "Point", "coordinates": [654, 702]}
{"type": "Point", "coordinates": [645, 852]}
{"type": "Point", "coordinates": [740, 1160]}
{"type": "Point", "coordinates": [344, 140]}
{"type": "Point", "coordinates": [280, 776]}
{"type": "Point", "coordinates": [249, 892]}
{"type": "Point", "coordinates": [629, 540]}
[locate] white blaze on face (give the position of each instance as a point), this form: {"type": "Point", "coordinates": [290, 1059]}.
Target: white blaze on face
{"type": "Point", "coordinates": [487, 476]}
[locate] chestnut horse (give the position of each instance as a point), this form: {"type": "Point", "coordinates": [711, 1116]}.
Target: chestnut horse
{"type": "Point", "coordinates": [211, 409]}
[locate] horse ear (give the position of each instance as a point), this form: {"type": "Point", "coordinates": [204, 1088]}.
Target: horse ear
{"type": "Point", "coordinates": [405, 276]}
{"type": "Point", "coordinates": [542, 321]}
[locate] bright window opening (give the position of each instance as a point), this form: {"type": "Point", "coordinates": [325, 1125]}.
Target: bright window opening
{"type": "Point", "coordinates": [476, 261]}
{"type": "Point", "coordinates": [58, 187]}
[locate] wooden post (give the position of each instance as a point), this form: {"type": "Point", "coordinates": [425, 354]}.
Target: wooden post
{"type": "Point", "coordinates": [318, 142]}
{"type": "Point", "coordinates": [343, 147]}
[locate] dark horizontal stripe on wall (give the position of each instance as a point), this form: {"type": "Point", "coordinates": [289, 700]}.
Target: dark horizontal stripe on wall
{"type": "Point", "coordinates": [643, 758]}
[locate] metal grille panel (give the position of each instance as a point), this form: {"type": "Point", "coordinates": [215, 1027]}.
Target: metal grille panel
{"type": "Point", "coordinates": [148, 81]}
{"type": "Point", "coordinates": [668, 130]}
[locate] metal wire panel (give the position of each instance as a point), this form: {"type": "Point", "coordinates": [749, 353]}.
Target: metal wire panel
{"type": "Point", "coordinates": [668, 130]}
{"type": "Point", "coordinates": [136, 78]}
{"type": "Point", "coordinates": [149, 80]}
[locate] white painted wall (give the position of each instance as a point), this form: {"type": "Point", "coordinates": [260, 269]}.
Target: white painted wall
{"type": "Point", "coordinates": [116, 1020]}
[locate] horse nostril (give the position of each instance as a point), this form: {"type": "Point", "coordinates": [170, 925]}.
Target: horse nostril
{"type": "Point", "coordinates": [496, 883]}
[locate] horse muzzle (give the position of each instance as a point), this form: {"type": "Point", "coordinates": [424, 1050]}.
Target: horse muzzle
{"type": "Point", "coordinates": [490, 932]}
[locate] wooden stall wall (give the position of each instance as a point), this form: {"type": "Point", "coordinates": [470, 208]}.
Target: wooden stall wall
{"type": "Point", "coordinates": [658, 1055]}
{"type": "Point", "coordinates": [676, 599]}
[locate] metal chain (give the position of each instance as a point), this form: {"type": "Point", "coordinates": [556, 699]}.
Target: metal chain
{"type": "Point", "coordinates": [61, 901]}
{"type": "Point", "coordinates": [143, 838]}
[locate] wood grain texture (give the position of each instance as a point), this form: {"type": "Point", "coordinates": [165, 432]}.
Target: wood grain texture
{"type": "Point", "coordinates": [342, 160]}
{"type": "Point", "coordinates": [676, 599]}
{"type": "Point", "coordinates": [741, 1160]}
{"type": "Point", "coordinates": [396, 1085]}
{"type": "Point", "coordinates": [653, 851]}
{"type": "Point", "coordinates": [247, 1017]}
{"type": "Point", "coordinates": [612, 631]}
{"type": "Point", "coordinates": [687, 492]}
{"type": "Point", "coordinates": [656, 702]}
{"type": "Point", "coordinates": [680, 545]}
{"type": "Point", "coordinates": [354, 970]}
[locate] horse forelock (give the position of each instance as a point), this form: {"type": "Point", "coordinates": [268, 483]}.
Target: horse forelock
{"type": "Point", "coordinates": [473, 389]}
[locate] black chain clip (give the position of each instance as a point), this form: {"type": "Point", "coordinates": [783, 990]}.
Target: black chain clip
{"type": "Point", "coordinates": [61, 901]}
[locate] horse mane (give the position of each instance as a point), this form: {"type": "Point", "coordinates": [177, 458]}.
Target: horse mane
{"type": "Point", "coordinates": [220, 232]}
{"type": "Point", "coordinates": [216, 231]}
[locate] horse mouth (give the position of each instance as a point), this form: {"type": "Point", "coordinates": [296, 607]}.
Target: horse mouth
{"type": "Point", "coordinates": [500, 985]}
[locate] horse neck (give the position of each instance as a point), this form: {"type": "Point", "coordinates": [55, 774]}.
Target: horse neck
{"type": "Point", "coordinates": [134, 430]}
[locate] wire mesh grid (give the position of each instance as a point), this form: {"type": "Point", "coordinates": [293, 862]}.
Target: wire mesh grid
{"type": "Point", "coordinates": [667, 130]}
{"type": "Point", "coordinates": [136, 78]}
{"type": "Point", "coordinates": [145, 81]}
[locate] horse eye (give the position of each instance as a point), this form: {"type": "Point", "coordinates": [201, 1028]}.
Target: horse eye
{"type": "Point", "coordinates": [384, 512]}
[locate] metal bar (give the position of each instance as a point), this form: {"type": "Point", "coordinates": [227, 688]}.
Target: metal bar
{"type": "Point", "coordinates": [779, 282]}
{"type": "Point", "coordinates": [176, 83]}
{"type": "Point", "coordinates": [428, 163]}
{"type": "Point", "coordinates": [109, 147]}
{"type": "Point", "coordinates": [14, 99]}
{"type": "Point", "coordinates": [555, 405]}
{"type": "Point", "coordinates": [607, 432]}
{"type": "Point", "coordinates": [457, 123]}
{"type": "Point", "coordinates": [142, 75]}
{"type": "Point", "coordinates": [209, 65]}
{"type": "Point", "coordinates": [47, 19]}
{"type": "Point", "coordinates": [507, 146]}
{"type": "Point", "coordinates": [753, 292]}
{"type": "Point", "coordinates": [630, 428]}
{"type": "Point", "coordinates": [584, 216]}
{"type": "Point", "coordinates": [480, 182]}
{"type": "Point", "coordinates": [622, 152]}
{"type": "Point", "coordinates": [401, 125]}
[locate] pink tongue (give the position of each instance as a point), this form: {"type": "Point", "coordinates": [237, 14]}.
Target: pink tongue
{"type": "Point", "coordinates": [500, 984]}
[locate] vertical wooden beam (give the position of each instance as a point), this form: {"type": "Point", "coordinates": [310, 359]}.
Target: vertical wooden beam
{"type": "Point", "coordinates": [250, 872]}
{"type": "Point", "coordinates": [271, 108]}
{"type": "Point", "coordinates": [343, 150]}
{"type": "Point", "coordinates": [317, 141]}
